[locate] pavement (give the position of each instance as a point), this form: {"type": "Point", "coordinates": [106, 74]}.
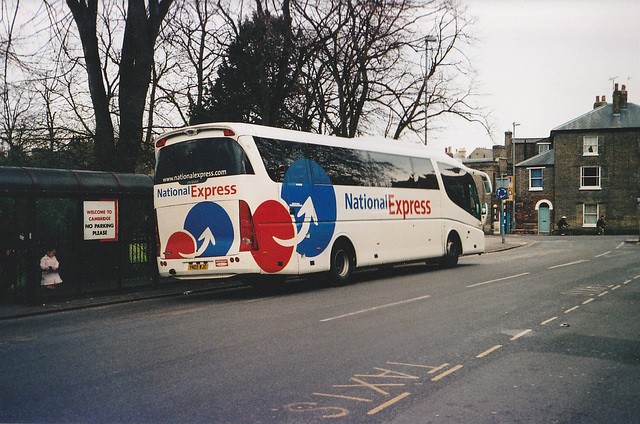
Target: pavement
{"type": "Point", "coordinates": [18, 308]}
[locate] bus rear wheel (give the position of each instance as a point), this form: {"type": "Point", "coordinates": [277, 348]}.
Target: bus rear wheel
{"type": "Point", "coordinates": [343, 263]}
{"type": "Point", "coordinates": [450, 258]}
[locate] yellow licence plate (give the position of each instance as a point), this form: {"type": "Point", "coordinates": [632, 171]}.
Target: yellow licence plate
{"type": "Point", "coordinates": [199, 267]}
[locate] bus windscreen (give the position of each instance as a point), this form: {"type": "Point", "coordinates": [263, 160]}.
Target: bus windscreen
{"type": "Point", "coordinates": [197, 160]}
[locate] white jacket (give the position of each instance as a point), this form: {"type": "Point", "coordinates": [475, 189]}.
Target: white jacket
{"type": "Point", "coordinates": [48, 276]}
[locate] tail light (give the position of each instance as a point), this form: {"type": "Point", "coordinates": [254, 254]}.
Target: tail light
{"type": "Point", "coordinates": [158, 250]}
{"type": "Point", "coordinates": [248, 240]}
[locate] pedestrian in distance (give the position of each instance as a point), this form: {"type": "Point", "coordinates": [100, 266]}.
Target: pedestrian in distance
{"type": "Point", "coordinates": [49, 265]}
{"type": "Point", "coordinates": [601, 225]}
{"type": "Point", "coordinates": [562, 225]}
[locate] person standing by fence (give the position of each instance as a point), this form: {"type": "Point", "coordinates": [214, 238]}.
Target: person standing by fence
{"type": "Point", "coordinates": [49, 265]}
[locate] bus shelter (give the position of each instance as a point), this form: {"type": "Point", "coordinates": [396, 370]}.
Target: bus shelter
{"type": "Point", "coordinates": [100, 223]}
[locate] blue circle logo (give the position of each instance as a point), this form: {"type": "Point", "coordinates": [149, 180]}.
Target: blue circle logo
{"type": "Point", "coordinates": [211, 227]}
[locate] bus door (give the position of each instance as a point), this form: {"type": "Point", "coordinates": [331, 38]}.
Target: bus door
{"type": "Point", "coordinates": [297, 190]}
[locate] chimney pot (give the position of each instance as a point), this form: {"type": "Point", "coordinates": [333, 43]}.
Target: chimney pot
{"type": "Point", "coordinates": [617, 101]}
{"type": "Point", "coordinates": [597, 99]}
{"type": "Point", "coordinates": [604, 98]}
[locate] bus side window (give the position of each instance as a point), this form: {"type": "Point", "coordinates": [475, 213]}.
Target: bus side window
{"type": "Point", "coordinates": [343, 166]}
{"type": "Point", "coordinates": [391, 170]}
{"type": "Point", "coordinates": [271, 157]}
{"type": "Point", "coordinates": [425, 174]}
{"type": "Point", "coordinates": [291, 153]}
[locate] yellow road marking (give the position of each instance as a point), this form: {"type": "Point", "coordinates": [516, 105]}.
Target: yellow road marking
{"type": "Point", "coordinates": [588, 301]}
{"type": "Point", "coordinates": [603, 293]}
{"type": "Point", "coordinates": [369, 385]}
{"type": "Point", "coordinates": [343, 397]}
{"type": "Point", "coordinates": [438, 368]}
{"type": "Point", "coordinates": [571, 309]}
{"type": "Point", "coordinates": [388, 403]}
{"type": "Point", "coordinates": [548, 321]}
{"type": "Point", "coordinates": [388, 374]}
{"type": "Point", "coordinates": [616, 287]}
{"type": "Point", "coordinates": [486, 352]}
{"type": "Point", "coordinates": [446, 373]}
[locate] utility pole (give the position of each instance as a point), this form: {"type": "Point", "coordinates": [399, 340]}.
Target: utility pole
{"type": "Point", "coordinates": [513, 164]}
{"type": "Point", "coordinates": [428, 39]}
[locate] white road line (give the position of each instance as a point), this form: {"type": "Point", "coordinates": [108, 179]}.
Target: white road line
{"type": "Point", "coordinates": [620, 245]}
{"type": "Point", "coordinates": [498, 279]}
{"type": "Point", "coordinates": [415, 299]}
{"type": "Point", "coordinates": [571, 309]}
{"type": "Point", "coordinates": [570, 263]}
{"type": "Point", "coordinates": [602, 254]}
{"type": "Point", "coordinates": [517, 336]}
{"type": "Point", "coordinates": [548, 321]}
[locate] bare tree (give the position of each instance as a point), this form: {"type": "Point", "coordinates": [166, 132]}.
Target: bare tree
{"type": "Point", "coordinates": [15, 97]}
{"type": "Point", "coordinates": [447, 84]}
{"type": "Point", "coordinates": [192, 46]}
{"type": "Point", "coordinates": [142, 25]}
{"type": "Point", "coordinates": [370, 72]}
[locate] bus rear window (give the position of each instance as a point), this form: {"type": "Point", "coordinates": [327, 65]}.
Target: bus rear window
{"type": "Point", "coordinates": [194, 161]}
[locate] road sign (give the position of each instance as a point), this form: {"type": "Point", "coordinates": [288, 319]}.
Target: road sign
{"type": "Point", "coordinates": [502, 193]}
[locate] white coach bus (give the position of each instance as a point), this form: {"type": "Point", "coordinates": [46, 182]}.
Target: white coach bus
{"type": "Point", "coordinates": [238, 199]}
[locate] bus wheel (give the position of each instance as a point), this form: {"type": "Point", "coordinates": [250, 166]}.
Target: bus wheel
{"type": "Point", "coordinates": [343, 262]}
{"type": "Point", "coordinates": [450, 258]}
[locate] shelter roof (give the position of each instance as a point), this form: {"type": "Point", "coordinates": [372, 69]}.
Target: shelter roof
{"type": "Point", "coordinates": [40, 181]}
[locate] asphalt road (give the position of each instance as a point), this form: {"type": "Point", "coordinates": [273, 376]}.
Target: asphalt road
{"type": "Point", "coordinates": [540, 334]}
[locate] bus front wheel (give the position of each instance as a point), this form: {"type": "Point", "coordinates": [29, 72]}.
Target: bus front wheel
{"type": "Point", "coordinates": [450, 258]}
{"type": "Point", "coordinates": [343, 263]}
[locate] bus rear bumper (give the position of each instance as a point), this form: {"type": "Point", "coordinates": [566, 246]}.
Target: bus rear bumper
{"type": "Point", "coordinates": [212, 267]}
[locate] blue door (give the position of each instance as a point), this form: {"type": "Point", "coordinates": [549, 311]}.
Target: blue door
{"type": "Point", "coordinates": [544, 214]}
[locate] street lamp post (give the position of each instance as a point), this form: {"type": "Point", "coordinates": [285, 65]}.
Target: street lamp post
{"type": "Point", "coordinates": [513, 164]}
{"type": "Point", "coordinates": [428, 39]}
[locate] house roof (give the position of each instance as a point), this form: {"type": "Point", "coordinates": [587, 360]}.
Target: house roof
{"type": "Point", "coordinates": [603, 118]}
{"type": "Point", "coordinates": [547, 158]}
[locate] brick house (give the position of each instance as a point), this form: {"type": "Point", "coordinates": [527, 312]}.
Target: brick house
{"type": "Point", "coordinates": [587, 167]}
{"type": "Point", "coordinates": [535, 183]}
{"type": "Point", "coordinates": [597, 167]}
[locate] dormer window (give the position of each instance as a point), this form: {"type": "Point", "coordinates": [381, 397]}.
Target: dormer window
{"type": "Point", "coordinates": [590, 146]}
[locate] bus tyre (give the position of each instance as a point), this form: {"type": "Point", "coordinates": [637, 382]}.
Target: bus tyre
{"type": "Point", "coordinates": [450, 258]}
{"type": "Point", "coordinates": [343, 262]}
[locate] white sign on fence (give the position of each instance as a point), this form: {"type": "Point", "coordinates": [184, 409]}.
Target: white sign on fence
{"type": "Point", "coordinates": [101, 220]}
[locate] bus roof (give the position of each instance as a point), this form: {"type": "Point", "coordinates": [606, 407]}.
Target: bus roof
{"type": "Point", "coordinates": [368, 143]}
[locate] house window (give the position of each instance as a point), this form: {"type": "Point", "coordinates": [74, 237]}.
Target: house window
{"type": "Point", "coordinates": [590, 178]}
{"type": "Point", "coordinates": [590, 214]}
{"type": "Point", "coordinates": [535, 179]}
{"type": "Point", "coordinates": [543, 147]}
{"type": "Point", "coordinates": [590, 146]}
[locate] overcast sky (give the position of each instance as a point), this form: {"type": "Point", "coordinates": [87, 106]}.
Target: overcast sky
{"type": "Point", "coordinates": [542, 63]}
